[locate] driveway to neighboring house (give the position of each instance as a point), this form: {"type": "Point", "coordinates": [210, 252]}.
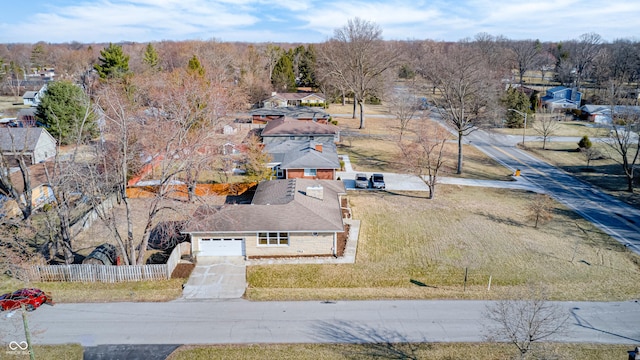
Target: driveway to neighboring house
{"type": "Point", "coordinates": [407, 182]}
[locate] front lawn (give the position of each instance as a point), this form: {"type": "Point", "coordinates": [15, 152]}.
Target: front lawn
{"type": "Point", "coordinates": [413, 248]}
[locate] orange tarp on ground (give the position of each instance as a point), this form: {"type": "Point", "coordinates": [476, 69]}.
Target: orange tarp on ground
{"type": "Point", "coordinates": [181, 191]}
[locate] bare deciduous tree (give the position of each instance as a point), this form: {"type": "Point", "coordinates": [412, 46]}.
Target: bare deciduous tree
{"type": "Point", "coordinates": [524, 54]}
{"type": "Point", "coordinates": [404, 107]}
{"type": "Point", "coordinates": [357, 57]}
{"type": "Point", "coordinates": [590, 154]}
{"type": "Point", "coordinates": [546, 125]}
{"type": "Point", "coordinates": [525, 319]}
{"type": "Point", "coordinates": [423, 155]}
{"type": "Point", "coordinates": [540, 210]}
{"type": "Point", "coordinates": [624, 139]}
{"type": "Point", "coordinates": [466, 88]}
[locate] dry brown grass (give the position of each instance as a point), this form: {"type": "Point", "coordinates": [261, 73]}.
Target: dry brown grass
{"type": "Point", "coordinates": [9, 105]}
{"type": "Point", "coordinates": [382, 154]}
{"type": "Point", "coordinates": [411, 247]}
{"type": "Point", "coordinates": [435, 351]}
{"type": "Point", "coordinates": [46, 352]}
{"type": "Point", "coordinates": [565, 128]}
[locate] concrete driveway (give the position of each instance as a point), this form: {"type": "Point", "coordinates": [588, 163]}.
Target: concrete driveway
{"type": "Point", "coordinates": [219, 277]}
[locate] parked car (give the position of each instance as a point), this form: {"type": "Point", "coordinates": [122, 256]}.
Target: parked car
{"type": "Point", "coordinates": [377, 181]}
{"type": "Point", "coordinates": [362, 181]}
{"type": "Point", "coordinates": [31, 298]}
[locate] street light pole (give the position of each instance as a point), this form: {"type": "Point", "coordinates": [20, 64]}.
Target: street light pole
{"type": "Point", "coordinates": [524, 129]}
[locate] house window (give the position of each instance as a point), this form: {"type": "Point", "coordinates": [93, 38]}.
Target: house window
{"type": "Point", "coordinates": [310, 172]}
{"type": "Point", "coordinates": [273, 239]}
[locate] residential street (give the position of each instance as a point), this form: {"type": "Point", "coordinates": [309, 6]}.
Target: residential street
{"type": "Point", "coordinates": [241, 321]}
{"type": "Point", "coordinates": [612, 216]}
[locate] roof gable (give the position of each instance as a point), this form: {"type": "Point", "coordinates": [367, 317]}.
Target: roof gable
{"type": "Point", "coordinates": [23, 139]}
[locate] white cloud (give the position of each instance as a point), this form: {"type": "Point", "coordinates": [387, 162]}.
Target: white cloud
{"type": "Point", "coordinates": [315, 20]}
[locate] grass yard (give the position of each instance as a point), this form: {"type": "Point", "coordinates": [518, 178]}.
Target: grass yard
{"type": "Point", "coordinates": [9, 105]}
{"type": "Point", "coordinates": [565, 128]}
{"type": "Point", "coordinates": [71, 292]}
{"type": "Point", "coordinates": [375, 154]}
{"type": "Point", "coordinates": [46, 352]}
{"type": "Point", "coordinates": [413, 248]}
{"type": "Point", "coordinates": [434, 351]}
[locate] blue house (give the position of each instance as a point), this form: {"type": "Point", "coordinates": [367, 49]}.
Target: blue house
{"type": "Point", "coordinates": [561, 97]}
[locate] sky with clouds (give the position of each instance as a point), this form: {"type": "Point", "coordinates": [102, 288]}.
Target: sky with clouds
{"type": "Point", "coordinates": [310, 21]}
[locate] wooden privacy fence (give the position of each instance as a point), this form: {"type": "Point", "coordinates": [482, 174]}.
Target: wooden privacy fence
{"type": "Point", "coordinates": [97, 273]}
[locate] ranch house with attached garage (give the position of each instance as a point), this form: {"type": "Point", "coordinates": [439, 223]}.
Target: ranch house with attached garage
{"type": "Point", "coordinates": [295, 217]}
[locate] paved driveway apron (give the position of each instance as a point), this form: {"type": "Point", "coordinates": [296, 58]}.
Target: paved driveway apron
{"type": "Point", "coordinates": [222, 277]}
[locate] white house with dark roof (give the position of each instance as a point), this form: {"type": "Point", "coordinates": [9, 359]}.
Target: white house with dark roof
{"type": "Point", "coordinates": [297, 217]}
{"type": "Point", "coordinates": [287, 128]}
{"type": "Point", "coordinates": [32, 98]}
{"type": "Point", "coordinates": [35, 144]}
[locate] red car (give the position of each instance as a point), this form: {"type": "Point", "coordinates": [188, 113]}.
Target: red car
{"type": "Point", "coordinates": [31, 298]}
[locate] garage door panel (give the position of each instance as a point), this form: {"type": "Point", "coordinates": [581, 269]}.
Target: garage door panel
{"type": "Point", "coordinates": [222, 247]}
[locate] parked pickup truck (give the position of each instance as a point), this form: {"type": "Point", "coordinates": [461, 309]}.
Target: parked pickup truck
{"type": "Point", "coordinates": [377, 181]}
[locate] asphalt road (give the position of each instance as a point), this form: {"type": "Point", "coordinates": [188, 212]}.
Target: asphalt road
{"type": "Point", "coordinates": [241, 321]}
{"type": "Point", "coordinates": [612, 216]}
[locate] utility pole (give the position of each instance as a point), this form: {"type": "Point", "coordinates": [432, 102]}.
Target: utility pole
{"type": "Point", "coordinates": [524, 128]}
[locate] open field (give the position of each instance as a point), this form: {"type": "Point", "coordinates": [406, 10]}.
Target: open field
{"type": "Point", "coordinates": [565, 128]}
{"type": "Point", "coordinates": [413, 248]}
{"type": "Point", "coordinates": [605, 173]}
{"type": "Point", "coordinates": [434, 351]}
{"type": "Point", "coordinates": [376, 149]}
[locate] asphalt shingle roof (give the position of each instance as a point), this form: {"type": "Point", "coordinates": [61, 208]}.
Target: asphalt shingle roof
{"type": "Point", "coordinates": [278, 206]}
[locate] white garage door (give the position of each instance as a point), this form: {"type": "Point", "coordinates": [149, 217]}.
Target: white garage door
{"type": "Point", "coordinates": [222, 247]}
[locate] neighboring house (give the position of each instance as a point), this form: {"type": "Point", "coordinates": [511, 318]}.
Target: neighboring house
{"type": "Point", "coordinates": [303, 159]}
{"type": "Point", "coordinates": [561, 97]}
{"type": "Point", "coordinates": [277, 100]}
{"type": "Point", "coordinates": [264, 115]}
{"type": "Point", "coordinates": [286, 128]}
{"type": "Point", "coordinates": [296, 217]}
{"type": "Point", "coordinates": [601, 114]}
{"type": "Point", "coordinates": [41, 192]}
{"type": "Point", "coordinates": [44, 74]}
{"type": "Point", "coordinates": [32, 98]}
{"type": "Point", "coordinates": [36, 144]}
